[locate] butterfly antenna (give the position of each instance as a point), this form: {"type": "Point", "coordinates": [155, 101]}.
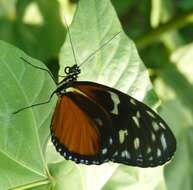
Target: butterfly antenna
{"type": "Point", "coordinates": [97, 50]}
{"type": "Point", "coordinates": [68, 32]}
{"type": "Point", "coordinates": [33, 105]}
{"type": "Point", "coordinates": [26, 61]}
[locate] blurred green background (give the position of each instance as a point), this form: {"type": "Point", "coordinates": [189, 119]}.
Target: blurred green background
{"type": "Point", "coordinates": [163, 33]}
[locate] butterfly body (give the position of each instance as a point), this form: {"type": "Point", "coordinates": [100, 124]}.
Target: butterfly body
{"type": "Point", "coordinates": [94, 123]}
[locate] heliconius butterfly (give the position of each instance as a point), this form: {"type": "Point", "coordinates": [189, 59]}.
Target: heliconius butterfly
{"type": "Point", "coordinates": [93, 123]}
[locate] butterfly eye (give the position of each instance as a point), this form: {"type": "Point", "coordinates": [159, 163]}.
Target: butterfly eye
{"type": "Point", "coordinates": [72, 70]}
{"type": "Point", "coordinates": [67, 70]}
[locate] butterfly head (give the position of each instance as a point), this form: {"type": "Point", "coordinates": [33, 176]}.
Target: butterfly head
{"type": "Point", "coordinates": [75, 69]}
{"type": "Point", "coordinates": [71, 75]}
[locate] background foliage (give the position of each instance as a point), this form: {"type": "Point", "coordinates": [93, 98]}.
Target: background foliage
{"type": "Point", "coordinates": [163, 33]}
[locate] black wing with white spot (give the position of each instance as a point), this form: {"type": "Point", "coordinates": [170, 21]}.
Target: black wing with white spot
{"type": "Point", "coordinates": [140, 136]}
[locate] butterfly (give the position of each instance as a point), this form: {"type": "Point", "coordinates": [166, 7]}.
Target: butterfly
{"type": "Point", "coordinates": [93, 124]}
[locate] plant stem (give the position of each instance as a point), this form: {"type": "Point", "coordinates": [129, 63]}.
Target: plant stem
{"type": "Point", "coordinates": [173, 24]}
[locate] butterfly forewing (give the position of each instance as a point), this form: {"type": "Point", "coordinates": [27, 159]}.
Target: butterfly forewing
{"type": "Point", "coordinates": [140, 136]}
{"type": "Point", "coordinates": [81, 129]}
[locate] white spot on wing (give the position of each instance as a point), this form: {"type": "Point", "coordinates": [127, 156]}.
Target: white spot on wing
{"type": "Point", "coordinates": [148, 150]}
{"type": "Point", "coordinates": [122, 135]}
{"type": "Point", "coordinates": [136, 143]}
{"type": "Point", "coordinates": [115, 154]}
{"type": "Point", "coordinates": [153, 137]}
{"type": "Point", "coordinates": [71, 89]}
{"type": "Point", "coordinates": [132, 101]}
{"type": "Point", "coordinates": [104, 151]}
{"type": "Point", "coordinates": [158, 152]}
{"type": "Point", "coordinates": [125, 154]}
{"type": "Point", "coordinates": [135, 119]}
{"type": "Point", "coordinates": [163, 141]}
{"type": "Point", "coordinates": [99, 121]}
{"type": "Point", "coordinates": [155, 126]}
{"type": "Point", "coordinates": [63, 91]}
{"type": "Point", "coordinates": [162, 125]}
{"type": "Point", "coordinates": [139, 159]}
{"type": "Point", "coordinates": [116, 102]}
{"type": "Point", "coordinates": [138, 114]}
{"type": "Point", "coordinates": [110, 141]}
{"type": "Point", "coordinates": [151, 114]}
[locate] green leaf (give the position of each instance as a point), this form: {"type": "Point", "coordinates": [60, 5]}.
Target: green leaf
{"type": "Point", "coordinates": [41, 39]}
{"type": "Point", "coordinates": [24, 135]}
{"type": "Point", "coordinates": [155, 13]}
{"type": "Point", "coordinates": [180, 81]}
{"type": "Point", "coordinates": [67, 175]}
{"type": "Point", "coordinates": [176, 90]}
{"type": "Point", "coordinates": [7, 8]}
{"type": "Point", "coordinates": [117, 64]}
{"type": "Point", "coordinates": [180, 120]}
{"type": "Point", "coordinates": [184, 56]}
{"type": "Point", "coordinates": [136, 178]}
{"type": "Point", "coordinates": [182, 163]}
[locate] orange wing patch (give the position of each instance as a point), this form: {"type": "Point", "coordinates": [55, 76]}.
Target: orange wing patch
{"type": "Point", "coordinates": [74, 129]}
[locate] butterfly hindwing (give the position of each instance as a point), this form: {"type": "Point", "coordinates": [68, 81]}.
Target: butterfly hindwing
{"type": "Point", "coordinates": [141, 137]}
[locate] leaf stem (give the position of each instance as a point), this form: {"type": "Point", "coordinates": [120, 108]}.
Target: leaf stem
{"type": "Point", "coordinates": [156, 34]}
